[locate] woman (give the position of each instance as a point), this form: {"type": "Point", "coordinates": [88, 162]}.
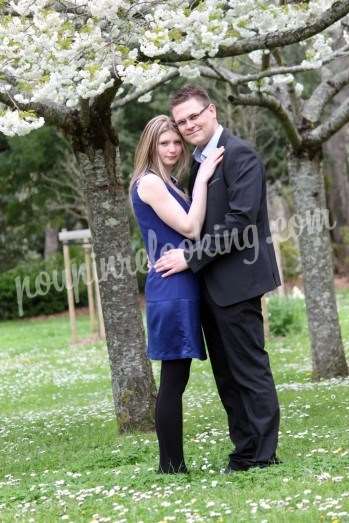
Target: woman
{"type": "Point", "coordinates": [167, 218]}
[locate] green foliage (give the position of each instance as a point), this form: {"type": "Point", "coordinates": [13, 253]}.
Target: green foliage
{"type": "Point", "coordinates": [290, 259]}
{"type": "Point", "coordinates": [286, 315]}
{"type": "Point", "coordinates": [25, 199]}
{"type": "Point", "coordinates": [344, 231]}
{"type": "Point", "coordinates": [36, 152]}
{"type": "Point", "coordinates": [39, 286]}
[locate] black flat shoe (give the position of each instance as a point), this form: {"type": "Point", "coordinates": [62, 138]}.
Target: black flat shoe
{"type": "Point", "coordinates": [182, 469]}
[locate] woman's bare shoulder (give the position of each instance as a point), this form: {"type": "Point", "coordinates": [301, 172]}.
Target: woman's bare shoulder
{"type": "Point", "coordinates": [152, 188]}
{"type": "Point", "coordinates": [151, 181]}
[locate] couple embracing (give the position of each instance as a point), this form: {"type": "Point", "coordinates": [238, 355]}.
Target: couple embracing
{"type": "Point", "coordinates": [212, 262]}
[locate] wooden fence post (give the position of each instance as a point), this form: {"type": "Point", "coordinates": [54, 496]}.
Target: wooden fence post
{"type": "Point", "coordinates": [89, 285]}
{"type": "Point", "coordinates": [98, 297]}
{"type": "Point", "coordinates": [69, 284]}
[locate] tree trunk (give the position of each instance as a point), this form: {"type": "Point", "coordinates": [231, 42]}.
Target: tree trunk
{"type": "Point", "coordinates": [133, 385]}
{"type": "Point", "coordinates": [336, 168]}
{"type": "Point", "coordinates": [337, 172]}
{"type": "Point", "coordinates": [51, 241]}
{"type": "Point", "coordinates": [316, 254]}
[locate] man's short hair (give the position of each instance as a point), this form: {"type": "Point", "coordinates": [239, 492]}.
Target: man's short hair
{"type": "Point", "coordinates": [187, 92]}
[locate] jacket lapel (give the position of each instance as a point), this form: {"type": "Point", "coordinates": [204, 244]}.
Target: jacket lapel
{"type": "Point", "coordinates": [224, 137]}
{"type": "Point", "coordinates": [193, 172]}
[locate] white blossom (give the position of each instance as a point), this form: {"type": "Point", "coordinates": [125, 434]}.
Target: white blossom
{"type": "Point", "coordinates": [260, 85]}
{"type": "Point", "coordinates": [256, 56]}
{"type": "Point", "coordinates": [145, 98]}
{"type": "Point", "coordinates": [280, 79]}
{"type": "Point", "coordinates": [188, 71]}
{"type": "Point", "coordinates": [63, 55]}
{"type": "Point", "coordinates": [298, 87]}
{"type": "Point", "coordinates": [12, 123]}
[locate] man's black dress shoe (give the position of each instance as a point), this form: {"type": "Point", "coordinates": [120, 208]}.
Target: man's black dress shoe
{"type": "Point", "coordinates": [243, 466]}
{"type": "Point", "coordinates": [235, 467]}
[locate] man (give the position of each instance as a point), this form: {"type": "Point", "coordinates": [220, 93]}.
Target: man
{"type": "Point", "coordinates": [236, 262]}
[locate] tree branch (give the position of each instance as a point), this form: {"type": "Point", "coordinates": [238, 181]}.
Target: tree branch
{"type": "Point", "coordinates": [236, 79]}
{"type": "Point", "coordinates": [53, 113]}
{"type": "Point", "coordinates": [323, 132]}
{"type": "Point", "coordinates": [65, 183]}
{"type": "Point", "coordinates": [270, 40]}
{"type": "Point", "coordinates": [271, 103]}
{"type": "Point", "coordinates": [324, 92]}
{"type": "Point", "coordinates": [59, 7]}
{"type": "Point", "coordinates": [134, 95]}
{"type": "Point", "coordinates": [69, 209]}
{"type": "Point", "coordinates": [103, 101]}
{"type": "Point", "coordinates": [258, 99]}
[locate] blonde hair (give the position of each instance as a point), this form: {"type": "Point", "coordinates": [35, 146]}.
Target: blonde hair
{"type": "Point", "coordinates": [146, 154]}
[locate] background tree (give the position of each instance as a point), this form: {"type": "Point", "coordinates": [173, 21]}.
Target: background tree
{"type": "Point", "coordinates": [336, 167]}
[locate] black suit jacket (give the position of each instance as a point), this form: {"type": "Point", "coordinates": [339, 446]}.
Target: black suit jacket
{"type": "Point", "coordinates": [235, 255]}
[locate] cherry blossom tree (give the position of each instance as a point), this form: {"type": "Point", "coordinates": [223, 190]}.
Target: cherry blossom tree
{"type": "Point", "coordinates": [65, 62]}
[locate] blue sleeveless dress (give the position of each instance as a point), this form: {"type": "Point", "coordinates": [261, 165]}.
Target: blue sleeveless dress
{"type": "Point", "coordinates": [172, 303]}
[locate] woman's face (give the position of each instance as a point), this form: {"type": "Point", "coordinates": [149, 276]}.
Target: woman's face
{"type": "Point", "coordinates": [169, 148]}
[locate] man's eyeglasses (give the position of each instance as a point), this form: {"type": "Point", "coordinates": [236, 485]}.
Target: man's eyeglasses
{"type": "Point", "coordinates": [191, 118]}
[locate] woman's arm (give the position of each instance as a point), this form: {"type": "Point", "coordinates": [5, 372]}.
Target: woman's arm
{"type": "Point", "coordinates": [153, 191]}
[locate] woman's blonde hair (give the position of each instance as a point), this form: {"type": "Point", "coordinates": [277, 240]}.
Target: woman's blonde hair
{"type": "Point", "coordinates": [146, 154]}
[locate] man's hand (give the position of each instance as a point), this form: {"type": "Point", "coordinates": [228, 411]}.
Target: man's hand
{"type": "Point", "coordinates": [172, 261]}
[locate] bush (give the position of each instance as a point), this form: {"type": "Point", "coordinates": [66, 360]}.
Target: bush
{"type": "Point", "coordinates": [45, 276]}
{"type": "Point", "coordinates": [286, 315]}
{"type": "Point", "coordinates": [290, 259]}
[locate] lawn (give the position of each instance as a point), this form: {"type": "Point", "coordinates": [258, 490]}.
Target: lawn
{"type": "Point", "coordinates": [61, 458]}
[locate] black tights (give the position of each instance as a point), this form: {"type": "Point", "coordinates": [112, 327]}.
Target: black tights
{"type": "Point", "coordinates": [168, 414]}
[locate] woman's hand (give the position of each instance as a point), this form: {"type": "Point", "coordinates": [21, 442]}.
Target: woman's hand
{"type": "Point", "coordinates": [208, 166]}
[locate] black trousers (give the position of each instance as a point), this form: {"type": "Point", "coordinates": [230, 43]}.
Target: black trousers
{"type": "Point", "coordinates": [235, 342]}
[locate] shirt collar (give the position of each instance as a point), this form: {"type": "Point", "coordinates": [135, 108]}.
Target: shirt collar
{"type": "Point", "coordinates": [201, 154]}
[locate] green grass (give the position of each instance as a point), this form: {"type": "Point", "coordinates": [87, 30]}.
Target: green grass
{"type": "Point", "coordinates": [61, 458]}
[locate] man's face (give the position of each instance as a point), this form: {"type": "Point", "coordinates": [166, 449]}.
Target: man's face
{"type": "Point", "coordinates": [195, 121]}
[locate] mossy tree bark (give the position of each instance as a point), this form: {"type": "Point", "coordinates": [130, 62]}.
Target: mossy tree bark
{"type": "Point", "coordinates": [316, 254]}
{"type": "Point", "coordinates": [133, 386]}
